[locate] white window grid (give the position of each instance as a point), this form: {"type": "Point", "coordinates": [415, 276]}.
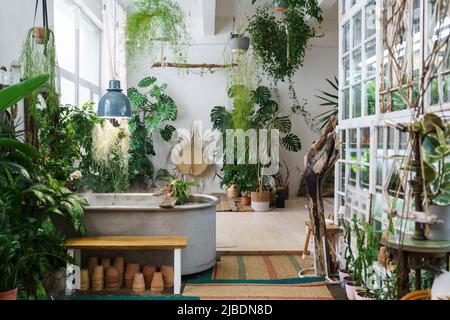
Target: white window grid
{"type": "Point", "coordinates": [94, 88]}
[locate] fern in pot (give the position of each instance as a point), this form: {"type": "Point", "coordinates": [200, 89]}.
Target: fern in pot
{"type": "Point", "coordinates": [435, 134]}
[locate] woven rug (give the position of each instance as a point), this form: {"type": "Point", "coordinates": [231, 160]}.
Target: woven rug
{"type": "Point", "coordinates": [258, 278]}
{"type": "Point", "coordinates": [260, 267]}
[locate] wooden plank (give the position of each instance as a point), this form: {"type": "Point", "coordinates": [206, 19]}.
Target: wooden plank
{"type": "Point", "coordinates": [127, 243]}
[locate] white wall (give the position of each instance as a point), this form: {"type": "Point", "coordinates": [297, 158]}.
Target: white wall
{"type": "Point", "coordinates": [196, 95]}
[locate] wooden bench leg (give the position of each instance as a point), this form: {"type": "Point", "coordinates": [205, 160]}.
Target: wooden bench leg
{"type": "Point", "coordinates": [177, 271]}
{"type": "Point", "coordinates": [73, 276]}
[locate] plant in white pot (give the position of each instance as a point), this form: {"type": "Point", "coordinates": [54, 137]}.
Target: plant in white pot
{"type": "Point", "coordinates": [436, 151]}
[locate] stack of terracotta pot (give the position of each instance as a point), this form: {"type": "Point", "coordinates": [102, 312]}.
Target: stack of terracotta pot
{"type": "Point", "coordinates": [157, 283]}
{"type": "Point", "coordinates": [167, 273]}
{"type": "Point", "coordinates": [138, 283]}
{"type": "Point", "coordinates": [85, 283]}
{"type": "Point", "coordinates": [132, 269]}
{"type": "Point", "coordinates": [149, 271]}
{"type": "Point", "coordinates": [92, 263]}
{"type": "Point", "coordinates": [112, 281]}
{"type": "Point", "coordinates": [98, 279]}
{"type": "Point", "coordinates": [119, 263]}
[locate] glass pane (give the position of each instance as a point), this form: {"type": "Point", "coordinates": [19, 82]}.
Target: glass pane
{"type": "Point", "coordinates": [380, 142]}
{"type": "Point", "coordinates": [346, 97]}
{"type": "Point", "coordinates": [84, 95]}
{"type": "Point", "coordinates": [371, 18]}
{"type": "Point", "coordinates": [357, 65]}
{"type": "Point", "coordinates": [391, 139]}
{"type": "Point", "coordinates": [370, 97]}
{"type": "Point", "coordinates": [446, 88]}
{"type": "Point", "coordinates": [398, 102]}
{"type": "Point", "coordinates": [346, 65]}
{"type": "Point", "coordinates": [343, 6]}
{"type": "Point", "coordinates": [357, 29]}
{"type": "Point", "coordinates": [346, 37]}
{"type": "Point", "coordinates": [365, 145]}
{"type": "Point", "coordinates": [434, 91]}
{"type": "Point", "coordinates": [343, 145]}
{"type": "Point", "coordinates": [342, 177]}
{"type": "Point", "coordinates": [89, 52]}
{"type": "Point", "coordinates": [403, 140]}
{"type": "Point", "coordinates": [352, 175]}
{"type": "Point", "coordinates": [364, 177]}
{"type": "Point", "coordinates": [371, 59]}
{"type": "Point", "coordinates": [379, 181]}
{"type": "Point", "coordinates": [357, 101]}
{"type": "Point", "coordinates": [378, 204]}
{"type": "Point", "coordinates": [67, 92]}
{"type": "Point", "coordinates": [353, 144]}
{"type": "Point", "coordinates": [65, 32]}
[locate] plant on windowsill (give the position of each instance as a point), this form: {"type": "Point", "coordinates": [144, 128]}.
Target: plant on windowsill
{"type": "Point", "coordinates": [151, 109]}
{"type": "Point", "coordinates": [156, 21]}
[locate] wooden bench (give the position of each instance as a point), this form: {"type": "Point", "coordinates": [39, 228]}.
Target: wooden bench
{"type": "Point", "coordinates": [74, 247]}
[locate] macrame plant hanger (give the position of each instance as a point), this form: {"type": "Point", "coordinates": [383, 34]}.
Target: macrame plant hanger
{"type": "Point", "coordinates": [44, 22]}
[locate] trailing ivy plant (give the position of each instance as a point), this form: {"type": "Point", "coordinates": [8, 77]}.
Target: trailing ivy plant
{"type": "Point", "coordinates": [280, 44]}
{"type": "Point", "coordinates": [151, 109]}
{"type": "Point", "coordinates": [153, 21]}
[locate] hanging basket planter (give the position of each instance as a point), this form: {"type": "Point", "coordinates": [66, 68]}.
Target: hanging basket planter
{"type": "Point", "coordinates": [281, 5]}
{"type": "Point", "coordinates": [239, 44]}
{"type": "Point", "coordinates": [40, 35]}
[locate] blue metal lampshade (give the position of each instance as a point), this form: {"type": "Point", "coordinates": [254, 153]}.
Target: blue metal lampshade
{"type": "Point", "coordinates": [114, 104]}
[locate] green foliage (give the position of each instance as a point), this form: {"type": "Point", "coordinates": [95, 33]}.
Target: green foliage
{"type": "Point", "coordinates": [151, 20]}
{"type": "Point", "coordinates": [330, 100]}
{"type": "Point", "coordinates": [30, 245]}
{"type": "Point", "coordinates": [151, 109]}
{"type": "Point", "coordinates": [17, 92]}
{"type": "Point", "coordinates": [281, 44]}
{"type": "Point", "coordinates": [180, 189]}
{"type": "Point", "coordinates": [436, 151]}
{"type": "Point", "coordinates": [252, 110]}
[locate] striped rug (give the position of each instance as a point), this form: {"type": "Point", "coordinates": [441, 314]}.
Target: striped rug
{"type": "Point", "coordinates": [258, 278]}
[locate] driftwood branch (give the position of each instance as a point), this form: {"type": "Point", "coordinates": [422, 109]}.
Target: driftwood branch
{"type": "Point", "coordinates": [320, 162]}
{"type": "Point", "coordinates": [192, 65]}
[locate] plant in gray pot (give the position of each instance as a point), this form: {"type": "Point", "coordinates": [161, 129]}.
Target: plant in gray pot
{"type": "Point", "coordinates": [239, 44]}
{"type": "Point", "coordinates": [436, 153]}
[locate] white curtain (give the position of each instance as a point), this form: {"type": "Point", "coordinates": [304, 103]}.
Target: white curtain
{"type": "Point", "coordinates": [114, 19]}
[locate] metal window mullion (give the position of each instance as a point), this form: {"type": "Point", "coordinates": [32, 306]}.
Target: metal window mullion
{"type": "Point", "coordinates": [77, 55]}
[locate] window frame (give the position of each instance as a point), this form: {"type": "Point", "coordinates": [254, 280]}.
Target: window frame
{"type": "Point", "coordinates": [81, 12]}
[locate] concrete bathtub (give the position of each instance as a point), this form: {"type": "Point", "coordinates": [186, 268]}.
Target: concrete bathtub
{"type": "Point", "coordinates": [140, 215]}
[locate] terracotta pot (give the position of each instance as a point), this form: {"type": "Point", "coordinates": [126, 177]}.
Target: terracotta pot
{"type": "Point", "coordinates": [85, 282]}
{"type": "Point", "coordinates": [246, 201]}
{"type": "Point", "coordinates": [149, 271]}
{"type": "Point", "coordinates": [39, 35]}
{"type": "Point", "coordinates": [98, 279]}
{"type": "Point", "coordinates": [138, 283]}
{"type": "Point", "coordinates": [132, 269]}
{"type": "Point", "coordinates": [10, 295]}
{"type": "Point", "coordinates": [106, 263]}
{"type": "Point", "coordinates": [119, 263]}
{"type": "Point", "coordinates": [167, 273]}
{"type": "Point", "coordinates": [361, 295]}
{"type": "Point", "coordinates": [112, 280]}
{"type": "Point", "coordinates": [157, 283]}
{"type": "Point", "coordinates": [233, 191]}
{"type": "Point", "coordinates": [92, 263]}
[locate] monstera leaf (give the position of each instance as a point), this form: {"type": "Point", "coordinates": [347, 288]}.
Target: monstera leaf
{"type": "Point", "coordinates": [221, 118]}
{"type": "Point", "coordinates": [283, 124]}
{"type": "Point", "coordinates": [147, 82]}
{"type": "Point", "coordinates": [292, 143]}
{"type": "Point", "coordinates": [167, 133]}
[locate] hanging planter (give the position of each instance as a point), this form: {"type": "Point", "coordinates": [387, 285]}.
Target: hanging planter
{"type": "Point", "coordinates": [40, 35]}
{"type": "Point", "coordinates": [239, 44]}
{"type": "Point", "coordinates": [281, 5]}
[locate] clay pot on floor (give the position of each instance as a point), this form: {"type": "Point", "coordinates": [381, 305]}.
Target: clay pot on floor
{"type": "Point", "coordinates": [10, 295]}
{"type": "Point", "coordinates": [157, 283]}
{"type": "Point", "coordinates": [119, 263]}
{"type": "Point", "coordinates": [92, 263]}
{"type": "Point", "coordinates": [98, 279]}
{"type": "Point", "coordinates": [148, 272]}
{"type": "Point", "coordinates": [167, 273]}
{"type": "Point", "coordinates": [246, 201]}
{"type": "Point", "coordinates": [138, 283]}
{"type": "Point", "coordinates": [132, 269]}
{"type": "Point", "coordinates": [85, 282]}
{"type": "Point", "coordinates": [112, 280]}
{"type": "Point", "coordinates": [261, 201]}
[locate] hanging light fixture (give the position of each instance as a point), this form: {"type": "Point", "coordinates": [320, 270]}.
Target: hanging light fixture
{"type": "Point", "coordinates": [114, 104]}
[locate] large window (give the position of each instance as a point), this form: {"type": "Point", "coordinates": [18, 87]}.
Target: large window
{"type": "Point", "coordinates": [78, 48]}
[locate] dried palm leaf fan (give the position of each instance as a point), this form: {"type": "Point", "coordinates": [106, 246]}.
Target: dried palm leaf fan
{"type": "Point", "coordinates": [192, 155]}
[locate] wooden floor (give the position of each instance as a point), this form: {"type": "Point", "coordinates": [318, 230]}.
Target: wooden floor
{"type": "Point", "coordinates": [281, 231]}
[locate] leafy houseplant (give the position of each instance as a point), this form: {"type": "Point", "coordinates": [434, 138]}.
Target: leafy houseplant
{"type": "Point", "coordinates": [180, 190]}
{"type": "Point", "coordinates": [151, 110]}
{"type": "Point", "coordinates": [30, 245]}
{"type": "Point", "coordinates": [156, 20]}
{"type": "Point", "coordinates": [329, 99]}
{"type": "Point", "coordinates": [436, 150]}
{"type": "Point", "coordinates": [281, 44]}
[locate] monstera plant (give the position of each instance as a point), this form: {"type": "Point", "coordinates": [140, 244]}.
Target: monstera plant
{"type": "Point", "coordinates": [151, 109]}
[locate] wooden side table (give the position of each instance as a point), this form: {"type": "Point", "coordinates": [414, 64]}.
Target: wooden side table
{"type": "Point", "coordinates": [416, 255]}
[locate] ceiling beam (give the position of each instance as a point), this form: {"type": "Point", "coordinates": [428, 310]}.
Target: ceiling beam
{"type": "Point", "coordinates": [209, 17]}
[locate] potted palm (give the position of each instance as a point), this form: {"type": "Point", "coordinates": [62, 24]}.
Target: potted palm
{"type": "Point", "coordinates": [436, 149]}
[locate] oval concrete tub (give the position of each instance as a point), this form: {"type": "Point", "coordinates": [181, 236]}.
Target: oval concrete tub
{"type": "Point", "coordinates": [140, 215]}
